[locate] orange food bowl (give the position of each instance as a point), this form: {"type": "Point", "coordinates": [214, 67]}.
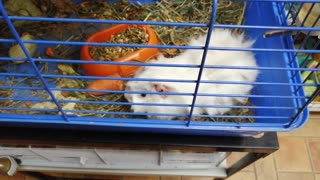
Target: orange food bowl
{"type": "Point", "coordinates": [140, 55]}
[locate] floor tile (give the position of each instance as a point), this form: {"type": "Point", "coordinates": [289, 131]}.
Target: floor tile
{"type": "Point", "coordinates": [16, 176]}
{"type": "Point", "coordinates": [315, 115]}
{"type": "Point", "coordinates": [295, 176]}
{"type": "Point", "coordinates": [310, 129]}
{"type": "Point", "coordinates": [105, 177]}
{"type": "Point", "coordinates": [243, 176]}
{"type": "Point", "coordinates": [265, 168]}
{"type": "Point", "coordinates": [314, 147]}
{"type": "Point", "coordinates": [196, 178]}
{"type": "Point", "coordinates": [2, 177]}
{"type": "Point", "coordinates": [74, 175]}
{"type": "Point", "coordinates": [234, 157]}
{"type": "Point", "coordinates": [170, 178]}
{"type": "Point", "coordinates": [29, 178]}
{"type": "Point", "coordinates": [292, 155]}
{"type": "Point", "coordinates": [317, 176]}
{"type": "Point", "coordinates": [141, 177]}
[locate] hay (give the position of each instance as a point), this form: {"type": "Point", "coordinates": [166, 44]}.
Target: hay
{"type": "Point", "coordinates": [228, 12]}
{"type": "Point", "coordinates": [132, 35]}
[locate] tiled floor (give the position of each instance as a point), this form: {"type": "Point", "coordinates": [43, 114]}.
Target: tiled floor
{"type": "Point", "coordinates": [297, 159]}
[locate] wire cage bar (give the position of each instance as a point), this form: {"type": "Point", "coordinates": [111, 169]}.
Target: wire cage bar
{"type": "Point", "coordinates": [39, 88]}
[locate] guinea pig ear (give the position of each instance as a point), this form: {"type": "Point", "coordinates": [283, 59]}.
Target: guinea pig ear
{"type": "Point", "coordinates": [159, 87]}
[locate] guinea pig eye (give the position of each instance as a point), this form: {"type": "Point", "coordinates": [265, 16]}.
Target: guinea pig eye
{"type": "Point", "coordinates": [143, 95]}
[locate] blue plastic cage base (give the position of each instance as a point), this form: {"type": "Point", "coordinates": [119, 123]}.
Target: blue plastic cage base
{"type": "Point", "coordinates": [258, 14]}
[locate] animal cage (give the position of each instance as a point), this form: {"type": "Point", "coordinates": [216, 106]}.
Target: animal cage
{"type": "Point", "coordinates": [45, 77]}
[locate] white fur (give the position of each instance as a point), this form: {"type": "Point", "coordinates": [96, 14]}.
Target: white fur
{"type": "Point", "coordinates": [220, 38]}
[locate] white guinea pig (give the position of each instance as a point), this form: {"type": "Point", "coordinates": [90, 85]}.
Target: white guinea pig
{"type": "Point", "coordinates": [219, 38]}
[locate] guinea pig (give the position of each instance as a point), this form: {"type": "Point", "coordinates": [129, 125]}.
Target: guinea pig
{"type": "Point", "coordinates": [224, 90]}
